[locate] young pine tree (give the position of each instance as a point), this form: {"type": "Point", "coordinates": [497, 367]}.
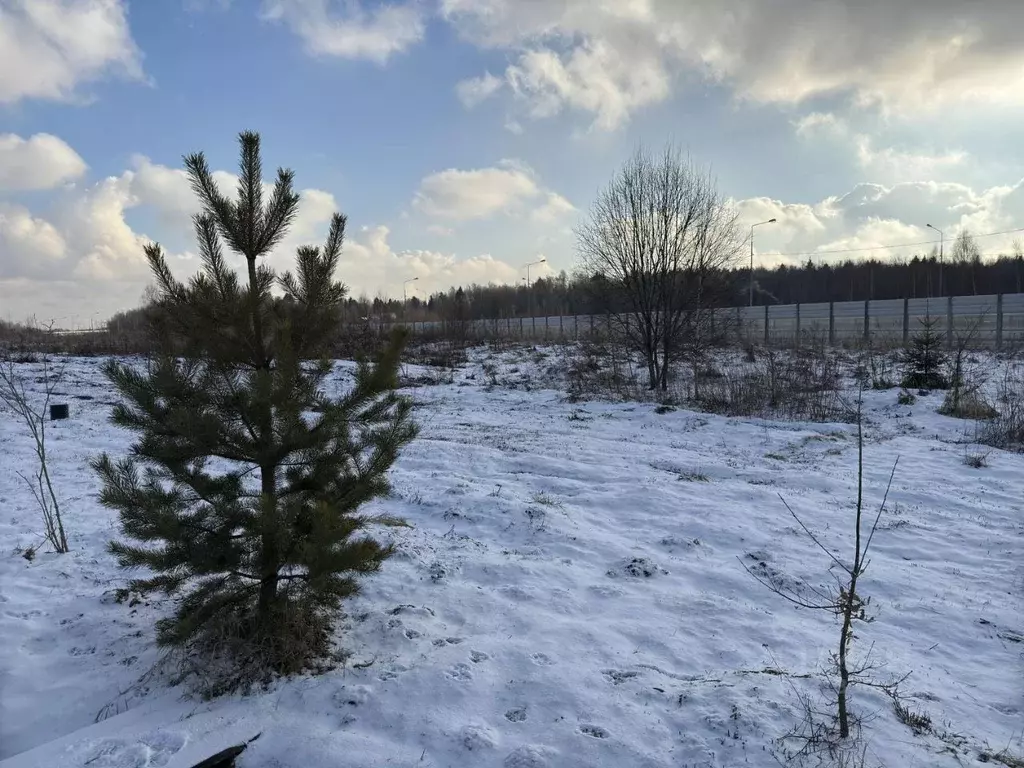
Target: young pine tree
{"type": "Point", "coordinates": [924, 359]}
{"type": "Point", "coordinates": [243, 490]}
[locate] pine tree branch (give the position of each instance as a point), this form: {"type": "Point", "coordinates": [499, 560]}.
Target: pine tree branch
{"type": "Point", "coordinates": [249, 209]}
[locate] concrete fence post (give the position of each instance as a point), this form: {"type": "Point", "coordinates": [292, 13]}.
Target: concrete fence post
{"type": "Point", "coordinates": [831, 323]}
{"type": "Point", "coordinates": [906, 321]}
{"type": "Point", "coordinates": [999, 321]}
{"type": "Point", "coordinates": [867, 321]}
{"type": "Point", "coordinates": [798, 323]}
{"type": "Point", "coordinates": [767, 325]}
{"type": "Point", "coordinates": [949, 322]}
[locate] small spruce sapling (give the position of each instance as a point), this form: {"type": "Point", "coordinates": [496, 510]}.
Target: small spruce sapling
{"type": "Point", "coordinates": [924, 359]}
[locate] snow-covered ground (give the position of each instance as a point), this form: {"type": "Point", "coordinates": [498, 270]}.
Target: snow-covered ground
{"type": "Point", "coordinates": [571, 593]}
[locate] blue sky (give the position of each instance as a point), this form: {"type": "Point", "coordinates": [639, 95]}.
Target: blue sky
{"type": "Point", "coordinates": [465, 138]}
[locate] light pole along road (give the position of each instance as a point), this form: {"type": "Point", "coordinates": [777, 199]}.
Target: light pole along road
{"type": "Point", "coordinates": [529, 294]}
{"type": "Point", "coordinates": [942, 238]}
{"type": "Point", "coordinates": [405, 283]}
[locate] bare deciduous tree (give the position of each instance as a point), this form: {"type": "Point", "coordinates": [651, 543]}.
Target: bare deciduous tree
{"type": "Point", "coordinates": [841, 599]}
{"type": "Point", "coordinates": [967, 254]}
{"type": "Point", "coordinates": [662, 237]}
{"type": "Point", "coordinates": [14, 395]}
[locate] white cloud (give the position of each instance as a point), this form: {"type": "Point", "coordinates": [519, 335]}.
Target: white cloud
{"type": "Point", "coordinates": [86, 236]}
{"type": "Point", "coordinates": [370, 265]}
{"type": "Point", "coordinates": [28, 245]}
{"type": "Point", "coordinates": [821, 124]}
{"type": "Point", "coordinates": [477, 89]}
{"type": "Point", "coordinates": [437, 229]}
{"type": "Point", "coordinates": [611, 58]}
{"type": "Point", "coordinates": [892, 163]}
{"type": "Point", "coordinates": [554, 209]}
{"type": "Point", "coordinates": [875, 216]}
{"type": "Point", "coordinates": [49, 47]}
{"type": "Point", "coordinates": [356, 33]}
{"type": "Point", "coordinates": [106, 246]}
{"type": "Point", "coordinates": [509, 188]}
{"type": "Point", "coordinates": [168, 192]}
{"type": "Point", "coordinates": [886, 164]}
{"type": "Point", "coordinates": [40, 162]}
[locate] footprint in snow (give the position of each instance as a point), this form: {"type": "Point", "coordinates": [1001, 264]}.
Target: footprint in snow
{"type": "Point", "coordinates": [477, 656]}
{"type": "Point", "coordinates": [352, 696]}
{"type": "Point", "coordinates": [542, 660]}
{"type": "Point", "coordinates": [392, 672]}
{"type": "Point", "coordinates": [530, 756]}
{"type": "Point", "coordinates": [594, 731]}
{"type": "Point", "coordinates": [460, 672]}
{"type": "Point", "coordinates": [477, 738]}
{"type": "Point", "coordinates": [443, 641]}
{"type": "Point", "coordinates": [517, 715]}
{"type": "Point", "coordinates": [150, 751]}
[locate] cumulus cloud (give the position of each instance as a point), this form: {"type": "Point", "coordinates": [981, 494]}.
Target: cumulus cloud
{"type": "Point", "coordinates": [28, 245]}
{"type": "Point", "coordinates": [50, 47]}
{"type": "Point", "coordinates": [875, 216]}
{"type": "Point", "coordinates": [609, 59]}
{"type": "Point", "coordinates": [355, 33]}
{"type": "Point", "coordinates": [86, 239]}
{"type": "Point", "coordinates": [477, 89]}
{"type": "Point", "coordinates": [369, 264]}
{"type": "Point", "coordinates": [888, 164]}
{"type": "Point", "coordinates": [86, 236]}
{"type": "Point", "coordinates": [555, 208]}
{"type": "Point", "coordinates": [509, 187]}
{"type": "Point", "coordinates": [40, 162]}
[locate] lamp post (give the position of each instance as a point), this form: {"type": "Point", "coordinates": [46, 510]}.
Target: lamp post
{"type": "Point", "coordinates": [532, 264]}
{"type": "Point", "coordinates": [529, 296]}
{"type": "Point", "coordinates": [942, 238]}
{"type": "Point", "coordinates": [405, 283]}
{"type": "Point", "coordinates": [769, 221]}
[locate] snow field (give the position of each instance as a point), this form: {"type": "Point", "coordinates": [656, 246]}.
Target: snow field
{"type": "Point", "coordinates": [571, 593]}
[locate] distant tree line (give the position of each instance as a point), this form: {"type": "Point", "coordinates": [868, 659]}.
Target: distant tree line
{"type": "Point", "coordinates": [963, 273]}
{"type": "Point", "coordinates": [962, 270]}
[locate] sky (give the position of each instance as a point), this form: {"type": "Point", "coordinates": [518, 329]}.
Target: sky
{"type": "Point", "coordinates": [466, 138]}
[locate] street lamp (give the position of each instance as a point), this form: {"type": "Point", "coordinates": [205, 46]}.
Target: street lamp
{"type": "Point", "coordinates": [770, 221]}
{"type": "Point", "coordinates": [532, 264]}
{"type": "Point", "coordinates": [405, 283]}
{"type": "Point", "coordinates": [529, 295]}
{"type": "Point", "coordinates": [942, 238]}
